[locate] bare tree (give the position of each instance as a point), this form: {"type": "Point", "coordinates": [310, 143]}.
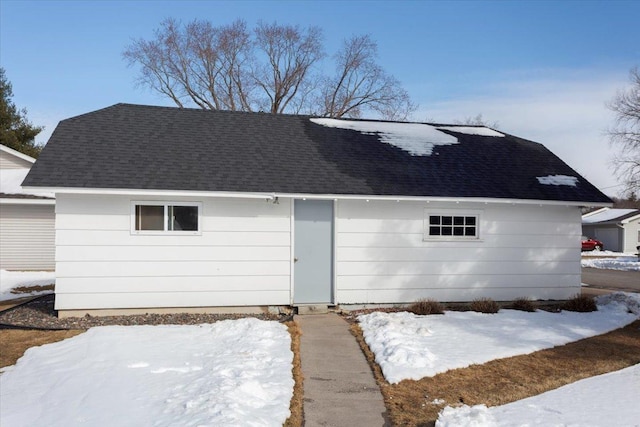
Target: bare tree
{"type": "Point", "coordinates": [625, 134]}
{"type": "Point", "coordinates": [290, 55]}
{"type": "Point", "coordinates": [477, 121]}
{"type": "Point", "coordinates": [200, 63]}
{"type": "Point", "coordinates": [360, 83]}
{"type": "Point", "coordinates": [271, 69]}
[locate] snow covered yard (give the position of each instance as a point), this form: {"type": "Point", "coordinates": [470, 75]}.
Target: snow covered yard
{"type": "Point", "coordinates": [408, 346]}
{"type": "Point", "coordinates": [233, 372]}
{"type": "Point", "coordinates": [583, 403]}
{"type": "Point", "coordinates": [624, 263]}
{"type": "Point", "coordinates": [10, 280]}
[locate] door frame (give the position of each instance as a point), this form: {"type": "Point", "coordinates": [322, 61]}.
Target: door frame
{"type": "Point", "coordinates": [334, 276]}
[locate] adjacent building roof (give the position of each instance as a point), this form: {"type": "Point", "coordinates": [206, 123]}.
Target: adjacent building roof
{"type": "Point", "coordinates": [162, 148]}
{"type": "Point", "coordinates": [610, 216]}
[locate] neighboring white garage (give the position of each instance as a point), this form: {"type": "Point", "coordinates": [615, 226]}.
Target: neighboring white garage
{"type": "Point", "coordinates": [27, 219]}
{"type": "Point", "coordinates": [617, 229]}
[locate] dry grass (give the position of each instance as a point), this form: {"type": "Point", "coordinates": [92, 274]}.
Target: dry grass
{"type": "Point", "coordinates": [15, 342]}
{"type": "Point", "coordinates": [581, 303]}
{"type": "Point", "coordinates": [410, 403]}
{"type": "Point", "coordinates": [29, 289]}
{"type": "Point", "coordinates": [296, 419]}
{"type": "Point", "coordinates": [524, 304]}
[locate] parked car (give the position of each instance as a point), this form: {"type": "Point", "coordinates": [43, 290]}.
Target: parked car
{"type": "Point", "coordinates": [589, 244]}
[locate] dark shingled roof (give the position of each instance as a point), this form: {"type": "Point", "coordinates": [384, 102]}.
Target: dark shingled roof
{"type": "Point", "coordinates": [143, 147]}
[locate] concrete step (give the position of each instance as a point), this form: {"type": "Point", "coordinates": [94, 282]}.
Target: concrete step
{"type": "Point", "coordinates": [312, 309]}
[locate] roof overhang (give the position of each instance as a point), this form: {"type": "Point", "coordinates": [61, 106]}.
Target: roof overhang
{"type": "Point", "coordinates": [17, 154]}
{"type": "Point", "coordinates": [20, 201]}
{"type": "Point", "coordinates": [275, 195]}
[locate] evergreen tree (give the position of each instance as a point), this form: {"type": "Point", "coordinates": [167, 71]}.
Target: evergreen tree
{"type": "Point", "coordinates": [15, 130]}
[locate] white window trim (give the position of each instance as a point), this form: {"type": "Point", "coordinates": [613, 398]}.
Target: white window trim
{"type": "Point", "coordinates": [166, 205]}
{"type": "Point", "coordinates": [452, 212]}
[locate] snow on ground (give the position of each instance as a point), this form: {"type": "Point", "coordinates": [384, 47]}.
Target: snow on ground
{"type": "Point", "coordinates": [593, 401]}
{"type": "Point", "coordinates": [13, 279]}
{"type": "Point", "coordinates": [408, 346]}
{"type": "Point", "coordinates": [231, 373]}
{"type": "Point", "coordinates": [626, 263]}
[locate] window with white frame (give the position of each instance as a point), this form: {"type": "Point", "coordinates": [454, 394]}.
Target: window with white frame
{"type": "Point", "coordinates": [453, 226]}
{"type": "Point", "coordinates": [165, 217]}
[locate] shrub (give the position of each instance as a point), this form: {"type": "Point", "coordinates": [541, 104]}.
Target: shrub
{"type": "Point", "coordinates": [524, 304]}
{"type": "Point", "coordinates": [426, 306]}
{"type": "Point", "coordinates": [484, 305]}
{"type": "Point", "coordinates": [580, 303]}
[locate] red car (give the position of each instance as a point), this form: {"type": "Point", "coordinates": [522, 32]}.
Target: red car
{"type": "Point", "coordinates": [589, 244]}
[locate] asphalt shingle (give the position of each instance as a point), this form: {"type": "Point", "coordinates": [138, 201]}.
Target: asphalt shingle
{"type": "Point", "coordinates": [162, 148]}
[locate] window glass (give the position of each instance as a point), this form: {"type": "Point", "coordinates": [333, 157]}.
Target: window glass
{"type": "Point", "coordinates": [450, 225]}
{"type": "Point", "coordinates": [166, 217]}
{"type": "Point", "coordinates": [184, 218]}
{"type": "Point", "coordinates": [149, 217]}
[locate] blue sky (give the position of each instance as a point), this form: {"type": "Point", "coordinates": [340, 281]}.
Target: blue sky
{"type": "Point", "coordinates": [542, 70]}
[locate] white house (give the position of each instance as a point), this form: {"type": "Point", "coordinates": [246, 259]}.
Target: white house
{"type": "Point", "coordinates": [617, 229]}
{"type": "Point", "coordinates": [27, 219]}
{"type": "Point", "coordinates": [177, 209]}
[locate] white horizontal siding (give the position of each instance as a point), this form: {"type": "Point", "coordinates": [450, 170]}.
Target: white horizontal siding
{"type": "Point", "coordinates": [27, 237]}
{"type": "Point", "coordinates": [523, 251]}
{"type": "Point", "coordinates": [9, 161]}
{"type": "Point", "coordinates": [241, 257]}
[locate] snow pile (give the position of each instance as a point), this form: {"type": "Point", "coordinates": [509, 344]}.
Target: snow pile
{"type": "Point", "coordinates": [417, 139]}
{"type": "Point", "coordinates": [558, 180]}
{"type": "Point", "coordinates": [604, 400]}
{"type": "Point", "coordinates": [630, 263]}
{"type": "Point", "coordinates": [234, 372]}
{"type": "Point", "coordinates": [626, 300]}
{"type": "Point", "coordinates": [408, 346]}
{"type": "Point", "coordinates": [13, 279]}
{"type": "Point", "coordinates": [472, 130]}
{"type": "Point", "coordinates": [10, 180]}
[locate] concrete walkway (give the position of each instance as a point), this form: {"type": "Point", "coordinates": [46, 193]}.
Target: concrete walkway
{"type": "Point", "coordinates": [339, 388]}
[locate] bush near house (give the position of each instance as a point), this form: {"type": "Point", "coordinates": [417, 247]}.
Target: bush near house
{"type": "Point", "coordinates": [524, 304]}
{"type": "Point", "coordinates": [426, 306]}
{"type": "Point", "coordinates": [581, 304]}
{"type": "Point", "coordinates": [484, 305]}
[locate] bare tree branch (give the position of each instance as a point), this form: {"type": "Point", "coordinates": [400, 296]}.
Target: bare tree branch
{"type": "Point", "coordinates": [625, 134]}
{"type": "Point", "coordinates": [271, 69]}
{"type": "Point", "coordinates": [360, 83]}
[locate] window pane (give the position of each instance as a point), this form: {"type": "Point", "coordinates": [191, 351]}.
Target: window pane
{"type": "Point", "coordinates": [434, 220]}
{"type": "Point", "coordinates": [447, 231]}
{"type": "Point", "coordinates": [458, 220]}
{"type": "Point", "coordinates": [434, 231]}
{"type": "Point", "coordinates": [471, 220]}
{"type": "Point", "coordinates": [183, 218]}
{"type": "Point", "coordinates": [149, 217]}
{"type": "Point", "coordinates": [458, 231]}
{"type": "Point", "coordinates": [470, 231]}
{"type": "Point", "coordinates": [447, 220]}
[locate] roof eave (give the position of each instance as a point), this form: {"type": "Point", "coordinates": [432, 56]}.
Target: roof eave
{"type": "Point", "coordinates": [274, 195]}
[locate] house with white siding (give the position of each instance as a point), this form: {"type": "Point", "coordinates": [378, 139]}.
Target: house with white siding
{"type": "Point", "coordinates": [617, 229]}
{"type": "Point", "coordinates": [162, 208]}
{"type": "Point", "coordinates": [27, 219]}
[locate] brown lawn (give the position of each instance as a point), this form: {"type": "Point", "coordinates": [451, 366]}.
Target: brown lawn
{"type": "Point", "coordinates": [410, 403]}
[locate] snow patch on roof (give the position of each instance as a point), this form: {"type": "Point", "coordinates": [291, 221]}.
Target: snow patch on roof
{"type": "Point", "coordinates": [558, 180]}
{"type": "Point", "coordinates": [472, 130]}
{"type": "Point", "coordinates": [606, 215]}
{"type": "Point", "coordinates": [417, 139]}
{"type": "Point", "coordinates": [10, 180]}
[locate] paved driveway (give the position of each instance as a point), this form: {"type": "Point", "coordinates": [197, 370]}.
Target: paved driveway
{"type": "Point", "coordinates": [597, 278]}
